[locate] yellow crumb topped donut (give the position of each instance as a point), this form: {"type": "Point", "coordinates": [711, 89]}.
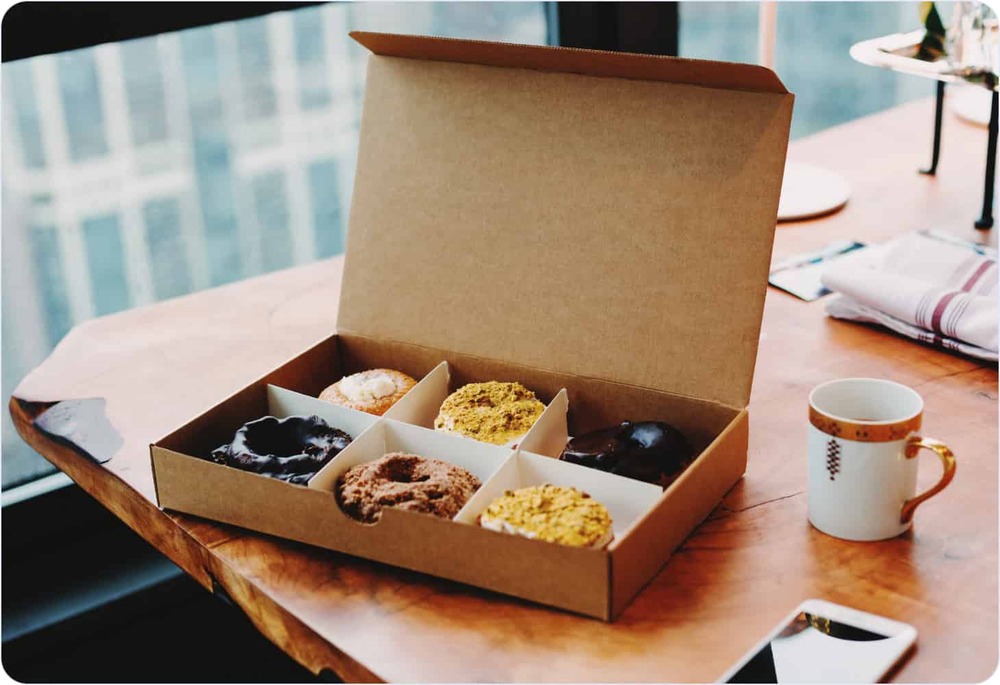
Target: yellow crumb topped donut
{"type": "Point", "coordinates": [551, 513]}
{"type": "Point", "coordinates": [491, 412]}
{"type": "Point", "coordinates": [372, 391]}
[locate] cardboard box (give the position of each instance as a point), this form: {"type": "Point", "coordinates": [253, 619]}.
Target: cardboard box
{"type": "Point", "coordinates": [597, 226]}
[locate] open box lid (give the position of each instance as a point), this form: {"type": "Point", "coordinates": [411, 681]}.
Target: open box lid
{"type": "Point", "coordinates": [601, 214]}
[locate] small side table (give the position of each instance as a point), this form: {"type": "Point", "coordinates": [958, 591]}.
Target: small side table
{"type": "Point", "coordinates": [896, 52]}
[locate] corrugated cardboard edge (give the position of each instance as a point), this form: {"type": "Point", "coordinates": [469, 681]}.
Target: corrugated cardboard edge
{"type": "Point", "coordinates": [152, 467]}
{"type": "Point", "coordinates": [638, 556]}
{"type": "Point", "coordinates": [728, 75]}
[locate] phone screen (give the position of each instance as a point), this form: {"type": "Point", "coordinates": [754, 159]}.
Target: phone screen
{"type": "Point", "coordinates": [814, 649]}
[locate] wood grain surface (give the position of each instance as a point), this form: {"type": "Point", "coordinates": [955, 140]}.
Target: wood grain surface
{"type": "Point", "coordinates": [739, 573]}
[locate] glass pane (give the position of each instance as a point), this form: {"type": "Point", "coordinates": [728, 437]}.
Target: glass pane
{"type": "Point", "coordinates": [109, 288]}
{"type": "Point", "coordinates": [168, 262]}
{"type": "Point", "coordinates": [148, 169]}
{"type": "Point", "coordinates": [811, 53]}
{"type": "Point", "coordinates": [84, 123]}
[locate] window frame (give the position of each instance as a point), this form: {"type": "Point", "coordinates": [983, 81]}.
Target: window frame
{"type": "Point", "coordinates": [30, 29]}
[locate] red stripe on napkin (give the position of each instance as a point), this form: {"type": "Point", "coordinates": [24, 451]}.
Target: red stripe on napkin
{"type": "Point", "coordinates": [976, 275]}
{"type": "Point", "coordinates": [939, 311]}
{"type": "Point", "coordinates": [963, 267]}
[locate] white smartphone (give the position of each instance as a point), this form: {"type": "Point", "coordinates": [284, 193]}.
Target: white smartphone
{"type": "Point", "coordinates": [822, 642]}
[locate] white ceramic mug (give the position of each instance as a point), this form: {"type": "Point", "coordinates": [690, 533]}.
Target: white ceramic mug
{"type": "Point", "coordinates": [863, 442]}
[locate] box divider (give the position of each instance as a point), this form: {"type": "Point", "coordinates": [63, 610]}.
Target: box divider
{"type": "Point", "coordinates": [548, 435]}
{"type": "Point", "coordinates": [282, 403]}
{"type": "Point", "coordinates": [326, 478]}
{"type": "Point", "coordinates": [419, 407]}
{"type": "Point", "coordinates": [505, 477]}
{"type": "Point", "coordinates": [609, 612]}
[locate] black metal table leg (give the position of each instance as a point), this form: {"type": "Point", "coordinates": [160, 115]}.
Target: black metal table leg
{"type": "Point", "coordinates": [986, 219]}
{"type": "Point", "coordinates": [938, 115]}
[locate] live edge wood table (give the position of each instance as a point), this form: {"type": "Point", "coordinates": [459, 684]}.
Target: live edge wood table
{"type": "Point", "coordinates": [751, 562]}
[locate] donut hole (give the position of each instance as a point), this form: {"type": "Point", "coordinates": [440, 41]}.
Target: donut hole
{"type": "Point", "coordinates": [275, 443]}
{"type": "Point", "coordinates": [405, 471]}
{"type": "Point", "coordinates": [288, 437]}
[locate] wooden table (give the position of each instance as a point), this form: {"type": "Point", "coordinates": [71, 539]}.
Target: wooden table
{"type": "Point", "coordinates": [750, 563]}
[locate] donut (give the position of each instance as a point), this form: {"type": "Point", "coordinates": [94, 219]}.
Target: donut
{"type": "Point", "coordinates": [651, 451]}
{"type": "Point", "coordinates": [552, 513]}
{"type": "Point", "coordinates": [492, 412]}
{"type": "Point", "coordinates": [404, 481]}
{"type": "Point", "coordinates": [292, 449]}
{"type": "Point", "coordinates": [372, 391]}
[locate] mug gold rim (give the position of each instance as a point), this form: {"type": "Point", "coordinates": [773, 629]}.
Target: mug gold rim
{"type": "Point", "coordinates": [860, 431]}
{"type": "Point", "coordinates": [872, 381]}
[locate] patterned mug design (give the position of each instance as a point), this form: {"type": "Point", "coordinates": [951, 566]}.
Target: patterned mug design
{"type": "Point", "coordinates": [833, 458]}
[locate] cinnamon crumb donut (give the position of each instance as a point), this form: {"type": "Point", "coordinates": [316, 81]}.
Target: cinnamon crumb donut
{"type": "Point", "coordinates": [372, 391]}
{"type": "Point", "coordinates": [404, 481]}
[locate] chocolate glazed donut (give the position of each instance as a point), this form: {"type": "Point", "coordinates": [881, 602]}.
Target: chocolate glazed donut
{"type": "Point", "coordinates": [291, 449]}
{"type": "Point", "coordinates": [652, 451]}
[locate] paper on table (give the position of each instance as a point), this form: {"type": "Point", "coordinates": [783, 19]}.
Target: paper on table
{"type": "Point", "coordinates": [800, 275]}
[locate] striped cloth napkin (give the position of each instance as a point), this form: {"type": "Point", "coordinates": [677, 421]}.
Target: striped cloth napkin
{"type": "Point", "coordinates": [924, 287]}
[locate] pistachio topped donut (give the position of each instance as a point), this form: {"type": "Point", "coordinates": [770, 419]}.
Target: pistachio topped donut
{"type": "Point", "coordinates": [372, 391]}
{"type": "Point", "coordinates": [552, 513]}
{"type": "Point", "coordinates": [492, 412]}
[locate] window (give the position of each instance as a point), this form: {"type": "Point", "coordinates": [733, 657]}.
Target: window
{"type": "Point", "coordinates": [811, 53]}
{"type": "Point", "coordinates": [146, 169]}
{"type": "Point", "coordinates": [151, 168]}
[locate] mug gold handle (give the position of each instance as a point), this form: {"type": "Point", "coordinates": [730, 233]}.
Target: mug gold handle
{"type": "Point", "coordinates": [913, 446]}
